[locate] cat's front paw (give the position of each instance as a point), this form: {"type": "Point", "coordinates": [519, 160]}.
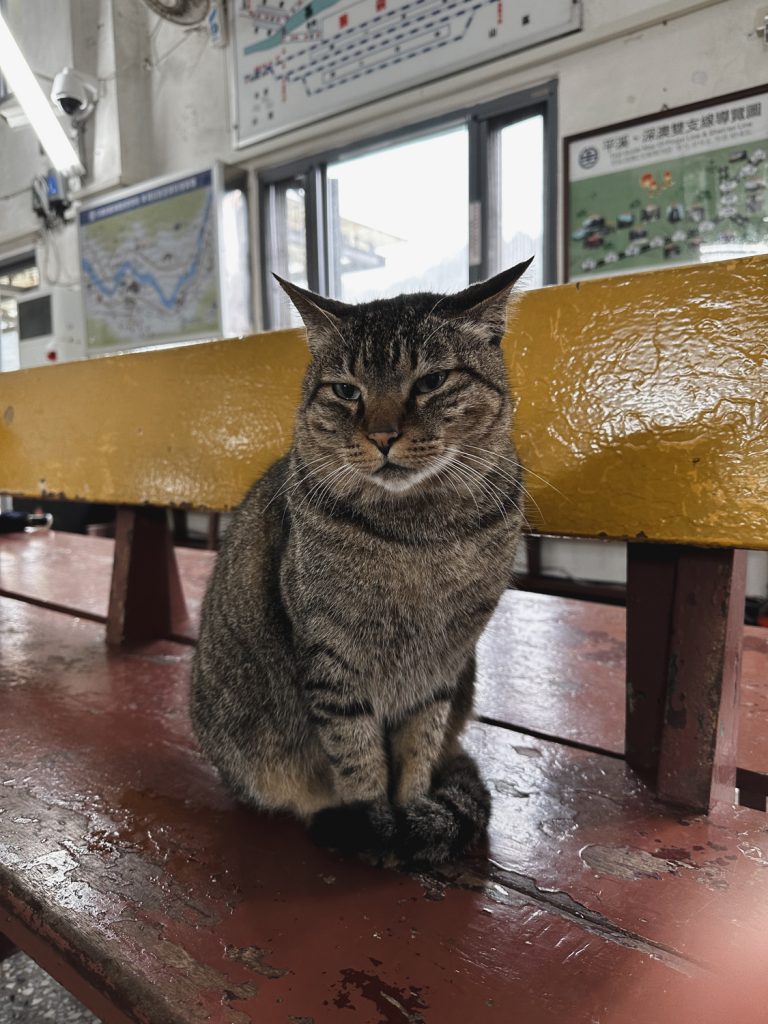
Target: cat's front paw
{"type": "Point", "coordinates": [426, 833]}
{"type": "Point", "coordinates": [436, 829]}
{"type": "Point", "coordinates": [362, 827]}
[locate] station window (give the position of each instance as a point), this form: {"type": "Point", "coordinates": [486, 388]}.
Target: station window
{"type": "Point", "coordinates": [431, 208]}
{"type": "Point", "coordinates": [18, 276]}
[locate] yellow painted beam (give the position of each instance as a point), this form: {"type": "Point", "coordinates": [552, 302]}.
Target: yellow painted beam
{"type": "Point", "coordinates": [644, 402]}
{"type": "Point", "coordinates": [643, 405]}
{"type": "Point", "coordinates": [194, 425]}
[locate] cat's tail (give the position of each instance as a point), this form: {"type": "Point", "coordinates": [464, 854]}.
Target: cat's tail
{"type": "Point", "coordinates": [434, 829]}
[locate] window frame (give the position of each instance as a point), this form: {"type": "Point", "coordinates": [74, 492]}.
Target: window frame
{"type": "Point", "coordinates": [483, 121]}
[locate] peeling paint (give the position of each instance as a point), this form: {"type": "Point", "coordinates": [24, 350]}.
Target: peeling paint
{"type": "Point", "coordinates": [256, 960]}
{"type": "Point", "coordinates": [396, 1005]}
{"type": "Point", "coordinates": [505, 884]}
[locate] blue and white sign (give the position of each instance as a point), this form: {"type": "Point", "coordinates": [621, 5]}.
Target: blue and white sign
{"type": "Point", "coordinates": [149, 265]}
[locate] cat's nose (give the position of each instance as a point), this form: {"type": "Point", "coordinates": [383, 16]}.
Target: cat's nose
{"type": "Point", "coordinates": [384, 439]}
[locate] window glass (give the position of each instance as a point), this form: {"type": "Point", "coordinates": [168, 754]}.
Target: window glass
{"type": "Point", "coordinates": [398, 219]}
{"type": "Point", "coordinates": [288, 249]}
{"type": "Point", "coordinates": [521, 198]}
{"type": "Point", "coordinates": [16, 277]}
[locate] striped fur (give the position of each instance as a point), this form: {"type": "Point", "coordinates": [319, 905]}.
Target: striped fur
{"type": "Point", "coordinates": [335, 668]}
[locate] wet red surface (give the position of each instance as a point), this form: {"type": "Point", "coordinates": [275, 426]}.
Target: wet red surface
{"type": "Point", "coordinates": [556, 666]}
{"type": "Point", "coordinates": [121, 852]}
{"type": "Point", "coordinates": [547, 664]}
{"type": "Point", "coordinates": [71, 572]}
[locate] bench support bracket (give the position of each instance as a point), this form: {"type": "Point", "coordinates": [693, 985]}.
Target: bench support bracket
{"type": "Point", "coordinates": [685, 620]}
{"type": "Point", "coordinates": [146, 601]}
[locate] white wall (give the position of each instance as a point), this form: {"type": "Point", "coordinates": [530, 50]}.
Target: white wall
{"type": "Point", "coordinates": [164, 103]}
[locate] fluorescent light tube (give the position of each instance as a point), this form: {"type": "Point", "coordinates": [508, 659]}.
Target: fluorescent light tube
{"type": "Point", "coordinates": [33, 102]}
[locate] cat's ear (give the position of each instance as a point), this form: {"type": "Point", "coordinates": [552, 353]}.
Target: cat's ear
{"type": "Point", "coordinates": [321, 316]}
{"type": "Point", "coordinates": [482, 308]}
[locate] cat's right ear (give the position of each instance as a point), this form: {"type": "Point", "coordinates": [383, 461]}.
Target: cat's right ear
{"type": "Point", "coordinates": [322, 317]}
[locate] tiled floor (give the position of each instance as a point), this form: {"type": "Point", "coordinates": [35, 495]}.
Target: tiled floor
{"type": "Point", "coordinates": [29, 996]}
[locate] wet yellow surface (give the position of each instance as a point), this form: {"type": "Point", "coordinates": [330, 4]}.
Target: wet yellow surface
{"type": "Point", "coordinates": [643, 405]}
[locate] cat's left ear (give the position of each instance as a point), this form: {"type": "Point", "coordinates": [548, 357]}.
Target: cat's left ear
{"type": "Point", "coordinates": [321, 316]}
{"type": "Point", "coordinates": [482, 308]}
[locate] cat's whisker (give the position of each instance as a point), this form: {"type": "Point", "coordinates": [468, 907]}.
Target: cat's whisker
{"type": "Point", "coordinates": [438, 328]}
{"type": "Point", "coordinates": [291, 476]}
{"type": "Point", "coordinates": [292, 491]}
{"type": "Point", "coordinates": [538, 476]}
{"type": "Point", "coordinates": [527, 470]}
{"type": "Point", "coordinates": [332, 482]}
{"type": "Point", "coordinates": [327, 485]}
{"type": "Point", "coordinates": [496, 455]}
{"type": "Point", "coordinates": [482, 476]}
{"type": "Point", "coordinates": [319, 486]}
{"type": "Point", "coordinates": [501, 471]}
{"type": "Point", "coordinates": [441, 298]}
{"type": "Point", "coordinates": [451, 469]}
{"type": "Point", "coordinates": [351, 471]}
{"type": "Point", "coordinates": [443, 474]}
{"type": "Point", "coordinates": [517, 481]}
{"type": "Point", "coordinates": [496, 492]}
{"type": "Point", "coordinates": [326, 460]}
{"type": "Point", "coordinates": [481, 483]}
{"type": "Point", "coordinates": [527, 494]}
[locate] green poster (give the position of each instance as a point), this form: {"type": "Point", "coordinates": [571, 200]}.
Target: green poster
{"type": "Point", "coordinates": [687, 187]}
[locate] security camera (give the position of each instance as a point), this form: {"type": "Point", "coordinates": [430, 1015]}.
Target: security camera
{"type": "Point", "coordinates": [74, 93]}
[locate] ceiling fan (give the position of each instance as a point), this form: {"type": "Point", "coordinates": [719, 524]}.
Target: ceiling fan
{"type": "Point", "coordinates": [182, 12]}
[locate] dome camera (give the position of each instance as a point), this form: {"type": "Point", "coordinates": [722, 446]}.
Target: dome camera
{"type": "Point", "coordinates": [74, 93]}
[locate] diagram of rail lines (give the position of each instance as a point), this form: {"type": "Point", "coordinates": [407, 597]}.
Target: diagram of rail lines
{"type": "Point", "coordinates": [296, 62]}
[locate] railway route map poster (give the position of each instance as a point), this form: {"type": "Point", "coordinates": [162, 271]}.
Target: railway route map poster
{"type": "Point", "coordinates": [686, 186]}
{"type": "Point", "coordinates": [297, 61]}
{"type": "Point", "coordinates": [149, 265]}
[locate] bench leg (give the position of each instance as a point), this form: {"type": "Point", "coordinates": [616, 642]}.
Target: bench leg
{"type": "Point", "coordinates": [650, 593]}
{"type": "Point", "coordinates": [685, 619]}
{"type": "Point", "coordinates": [146, 600]}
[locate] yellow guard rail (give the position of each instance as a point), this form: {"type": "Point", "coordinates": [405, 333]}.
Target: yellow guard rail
{"type": "Point", "coordinates": [642, 412]}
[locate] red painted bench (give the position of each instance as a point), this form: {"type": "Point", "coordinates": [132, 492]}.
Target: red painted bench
{"type": "Point", "coordinates": [128, 872]}
{"type": "Point", "coordinates": [550, 666]}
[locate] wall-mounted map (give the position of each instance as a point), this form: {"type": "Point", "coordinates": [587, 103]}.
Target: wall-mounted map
{"type": "Point", "coordinates": [149, 265]}
{"type": "Point", "coordinates": [296, 61]}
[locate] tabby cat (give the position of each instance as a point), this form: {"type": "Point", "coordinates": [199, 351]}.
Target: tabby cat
{"type": "Point", "coordinates": [335, 668]}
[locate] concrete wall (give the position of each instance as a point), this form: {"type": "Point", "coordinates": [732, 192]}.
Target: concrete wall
{"type": "Point", "coordinates": [164, 103]}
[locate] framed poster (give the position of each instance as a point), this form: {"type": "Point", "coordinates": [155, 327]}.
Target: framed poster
{"type": "Point", "coordinates": [682, 186]}
{"type": "Point", "coordinates": [297, 62]}
{"type": "Point", "coordinates": [165, 261]}
{"type": "Point", "coordinates": [150, 264]}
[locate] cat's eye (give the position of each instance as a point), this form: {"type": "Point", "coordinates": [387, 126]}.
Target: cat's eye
{"type": "Point", "coordinates": [430, 382]}
{"type": "Point", "coordinates": [347, 391]}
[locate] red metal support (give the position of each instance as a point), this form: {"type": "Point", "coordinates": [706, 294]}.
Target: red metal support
{"type": "Point", "coordinates": [146, 600]}
{"type": "Point", "coordinates": [685, 617]}
{"type": "Point", "coordinates": [650, 592]}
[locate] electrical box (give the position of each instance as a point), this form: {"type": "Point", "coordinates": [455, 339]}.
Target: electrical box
{"type": "Point", "coordinates": [51, 326]}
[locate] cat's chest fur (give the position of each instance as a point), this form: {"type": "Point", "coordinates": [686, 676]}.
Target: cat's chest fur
{"type": "Point", "coordinates": [409, 621]}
